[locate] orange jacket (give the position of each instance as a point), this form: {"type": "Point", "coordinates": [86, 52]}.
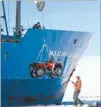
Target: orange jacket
{"type": "Point", "coordinates": [77, 85]}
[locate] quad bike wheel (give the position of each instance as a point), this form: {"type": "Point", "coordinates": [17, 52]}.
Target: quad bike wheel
{"type": "Point", "coordinates": [33, 75]}
{"type": "Point", "coordinates": [40, 72]}
{"type": "Point", "coordinates": [58, 72]}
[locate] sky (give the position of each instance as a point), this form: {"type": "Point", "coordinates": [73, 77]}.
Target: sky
{"type": "Point", "coordinates": [68, 15]}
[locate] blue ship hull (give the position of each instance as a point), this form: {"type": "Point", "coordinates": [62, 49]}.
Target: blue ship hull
{"type": "Point", "coordinates": [18, 88]}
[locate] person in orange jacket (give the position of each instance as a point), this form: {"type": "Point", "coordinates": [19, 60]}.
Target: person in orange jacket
{"type": "Point", "coordinates": [77, 86]}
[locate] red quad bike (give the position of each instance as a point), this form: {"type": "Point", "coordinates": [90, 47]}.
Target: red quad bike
{"type": "Point", "coordinates": [53, 69]}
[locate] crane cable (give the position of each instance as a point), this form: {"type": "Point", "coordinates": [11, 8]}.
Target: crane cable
{"type": "Point", "coordinates": [42, 18]}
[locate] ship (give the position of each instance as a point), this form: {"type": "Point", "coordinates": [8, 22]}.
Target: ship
{"type": "Point", "coordinates": [36, 67]}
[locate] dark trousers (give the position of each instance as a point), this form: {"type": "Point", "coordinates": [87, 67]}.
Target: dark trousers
{"type": "Point", "coordinates": [75, 97]}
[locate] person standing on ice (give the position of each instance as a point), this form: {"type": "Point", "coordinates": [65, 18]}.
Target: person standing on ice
{"type": "Point", "coordinates": [77, 87]}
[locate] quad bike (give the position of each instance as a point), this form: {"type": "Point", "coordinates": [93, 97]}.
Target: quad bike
{"type": "Point", "coordinates": [50, 68]}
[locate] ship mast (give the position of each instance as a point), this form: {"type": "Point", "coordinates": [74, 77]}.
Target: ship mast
{"type": "Point", "coordinates": [4, 17]}
{"type": "Point", "coordinates": [18, 19]}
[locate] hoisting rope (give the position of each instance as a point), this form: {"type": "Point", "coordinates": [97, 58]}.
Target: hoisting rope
{"type": "Point", "coordinates": [42, 49]}
{"type": "Point", "coordinates": [44, 46]}
{"type": "Point", "coordinates": [42, 18]}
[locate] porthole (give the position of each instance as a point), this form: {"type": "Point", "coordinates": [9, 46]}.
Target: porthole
{"type": "Point", "coordinates": [75, 40]}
